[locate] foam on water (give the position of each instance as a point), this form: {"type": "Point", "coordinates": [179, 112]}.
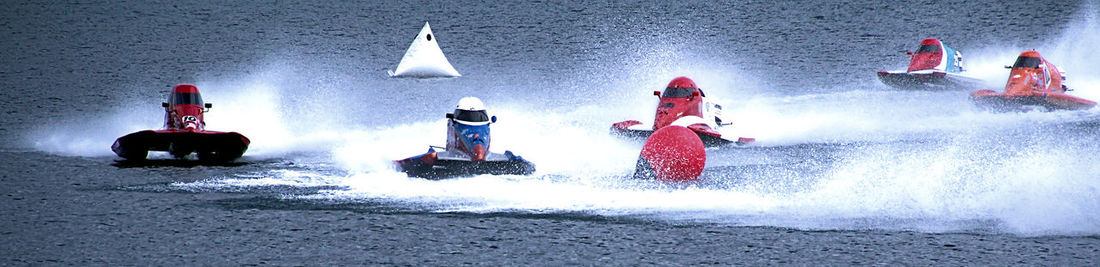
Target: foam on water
{"type": "Point", "coordinates": [968, 182]}
{"type": "Point", "coordinates": [267, 107]}
{"type": "Point", "coordinates": [971, 179]}
{"type": "Point", "coordinates": [917, 160]}
{"type": "Point", "coordinates": [1074, 52]}
{"type": "Point", "coordinates": [276, 178]}
{"type": "Point", "coordinates": [1030, 188]}
{"type": "Point", "coordinates": [875, 116]}
{"type": "Point", "coordinates": [557, 143]}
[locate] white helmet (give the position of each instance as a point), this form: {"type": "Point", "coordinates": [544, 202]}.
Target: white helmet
{"type": "Point", "coordinates": [471, 111]}
{"type": "Point", "coordinates": [470, 103]}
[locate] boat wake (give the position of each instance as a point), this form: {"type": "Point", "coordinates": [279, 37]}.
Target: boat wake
{"type": "Point", "coordinates": [854, 157]}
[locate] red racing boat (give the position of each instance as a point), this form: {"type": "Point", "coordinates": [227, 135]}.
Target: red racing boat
{"type": "Point", "coordinates": [683, 104]}
{"type": "Point", "coordinates": [933, 67]}
{"type": "Point", "coordinates": [184, 132]}
{"type": "Point", "coordinates": [1032, 82]}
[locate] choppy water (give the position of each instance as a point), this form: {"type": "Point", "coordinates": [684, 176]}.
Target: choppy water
{"type": "Point", "coordinates": [836, 150]}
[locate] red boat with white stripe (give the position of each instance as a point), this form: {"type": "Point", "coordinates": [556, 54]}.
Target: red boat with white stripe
{"type": "Point", "coordinates": [934, 66]}
{"type": "Point", "coordinates": [684, 104]}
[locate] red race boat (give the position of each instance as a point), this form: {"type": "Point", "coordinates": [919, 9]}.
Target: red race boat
{"type": "Point", "coordinates": [933, 67]}
{"type": "Point", "coordinates": [683, 104]}
{"type": "Point", "coordinates": [184, 132]}
{"type": "Point", "coordinates": [1033, 82]}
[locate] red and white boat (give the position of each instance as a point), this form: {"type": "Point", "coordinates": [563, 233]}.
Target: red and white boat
{"type": "Point", "coordinates": [683, 104]}
{"type": "Point", "coordinates": [933, 66]}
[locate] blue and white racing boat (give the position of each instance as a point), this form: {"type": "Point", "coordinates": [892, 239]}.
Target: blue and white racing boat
{"type": "Point", "coordinates": [467, 151]}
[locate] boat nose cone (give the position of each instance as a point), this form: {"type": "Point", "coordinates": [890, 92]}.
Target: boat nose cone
{"type": "Point", "coordinates": [478, 153]}
{"type": "Point", "coordinates": [663, 118]}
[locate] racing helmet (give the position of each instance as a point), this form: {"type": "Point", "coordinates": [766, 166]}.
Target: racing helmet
{"type": "Point", "coordinates": [471, 111]}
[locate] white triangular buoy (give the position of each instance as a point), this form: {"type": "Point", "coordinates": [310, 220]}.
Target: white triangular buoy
{"type": "Point", "coordinates": [424, 58]}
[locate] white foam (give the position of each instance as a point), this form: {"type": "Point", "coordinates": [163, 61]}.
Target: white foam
{"type": "Point", "coordinates": [942, 186]}
{"type": "Point", "coordinates": [271, 178]}
{"type": "Point", "coordinates": [965, 171]}
{"type": "Point", "coordinates": [266, 107]}
{"type": "Point", "coordinates": [556, 143]}
{"type": "Point", "coordinates": [1074, 52]}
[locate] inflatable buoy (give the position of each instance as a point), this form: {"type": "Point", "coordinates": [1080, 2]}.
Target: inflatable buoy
{"type": "Point", "coordinates": [424, 59]}
{"type": "Point", "coordinates": [673, 154]}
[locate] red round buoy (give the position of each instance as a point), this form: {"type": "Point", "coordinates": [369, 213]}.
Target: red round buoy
{"type": "Point", "coordinates": [672, 153]}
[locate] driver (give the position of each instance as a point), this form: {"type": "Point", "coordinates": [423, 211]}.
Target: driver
{"type": "Point", "coordinates": [468, 128]}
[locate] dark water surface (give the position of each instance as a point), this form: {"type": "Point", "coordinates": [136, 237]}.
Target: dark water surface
{"type": "Point", "coordinates": [846, 170]}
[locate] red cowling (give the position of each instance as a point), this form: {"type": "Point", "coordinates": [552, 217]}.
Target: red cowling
{"type": "Point", "coordinates": [185, 88]}
{"type": "Point", "coordinates": [1025, 81]}
{"type": "Point", "coordinates": [682, 82]}
{"type": "Point", "coordinates": [1032, 81]}
{"type": "Point", "coordinates": [923, 60]}
{"type": "Point", "coordinates": [674, 153]}
{"type": "Point", "coordinates": [671, 108]}
{"type": "Point", "coordinates": [1030, 53]}
{"type": "Point", "coordinates": [184, 117]}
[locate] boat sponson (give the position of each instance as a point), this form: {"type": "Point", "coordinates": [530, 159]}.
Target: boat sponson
{"type": "Point", "coordinates": [708, 140]}
{"type": "Point", "coordinates": [928, 81]}
{"type": "Point", "coordinates": [448, 165]}
{"type": "Point", "coordinates": [229, 145]}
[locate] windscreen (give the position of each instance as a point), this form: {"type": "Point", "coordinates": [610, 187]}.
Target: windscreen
{"type": "Point", "coordinates": [186, 99]}
{"type": "Point", "coordinates": [1027, 62]}
{"type": "Point", "coordinates": [928, 49]}
{"type": "Point", "coordinates": [471, 116]}
{"type": "Point", "coordinates": [678, 92]}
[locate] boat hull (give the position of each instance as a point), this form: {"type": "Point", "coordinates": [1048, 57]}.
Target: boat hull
{"type": "Point", "coordinates": [991, 100]}
{"type": "Point", "coordinates": [210, 145]}
{"type": "Point", "coordinates": [636, 130]}
{"type": "Point", "coordinates": [445, 164]}
{"type": "Point", "coordinates": [931, 81]}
